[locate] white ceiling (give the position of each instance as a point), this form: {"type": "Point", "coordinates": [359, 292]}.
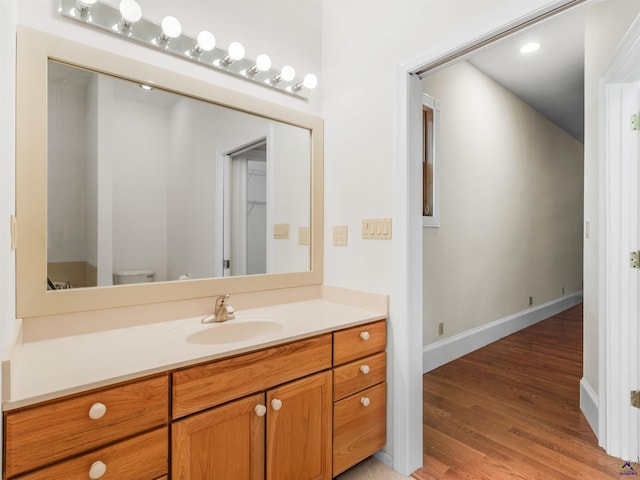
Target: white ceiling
{"type": "Point", "coordinates": [551, 79]}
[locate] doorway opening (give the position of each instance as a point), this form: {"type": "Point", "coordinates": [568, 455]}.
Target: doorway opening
{"type": "Point", "coordinates": [246, 210]}
{"type": "Point", "coordinates": [409, 265]}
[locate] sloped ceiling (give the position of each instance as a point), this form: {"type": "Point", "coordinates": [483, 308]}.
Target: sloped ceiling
{"type": "Point", "coordinates": [551, 79]}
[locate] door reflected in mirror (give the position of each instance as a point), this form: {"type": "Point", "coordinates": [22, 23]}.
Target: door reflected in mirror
{"type": "Point", "coordinates": [149, 185]}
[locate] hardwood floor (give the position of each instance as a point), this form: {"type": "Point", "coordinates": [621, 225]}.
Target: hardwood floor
{"type": "Point", "coordinates": [511, 411]}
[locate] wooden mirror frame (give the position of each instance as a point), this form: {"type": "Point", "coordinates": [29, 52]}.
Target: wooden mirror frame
{"type": "Point", "coordinates": [34, 50]}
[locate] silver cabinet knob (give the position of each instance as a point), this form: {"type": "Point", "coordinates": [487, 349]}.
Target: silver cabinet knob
{"type": "Point", "coordinates": [97, 470]}
{"type": "Point", "coordinates": [364, 336]}
{"type": "Point", "coordinates": [276, 404]}
{"type": "Point", "coordinates": [364, 369]}
{"type": "Point", "coordinates": [260, 410]}
{"type": "Point", "coordinates": [365, 401]}
{"type": "Point", "coordinates": [97, 411]}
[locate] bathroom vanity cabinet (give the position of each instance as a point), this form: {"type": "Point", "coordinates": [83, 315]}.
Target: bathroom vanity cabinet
{"type": "Point", "coordinates": [359, 393]}
{"type": "Point", "coordinates": [307, 409]}
{"type": "Point", "coordinates": [282, 431]}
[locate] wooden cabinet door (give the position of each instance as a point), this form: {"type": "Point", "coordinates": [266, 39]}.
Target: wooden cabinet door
{"type": "Point", "coordinates": [223, 443]}
{"type": "Point", "coordinates": [299, 423]}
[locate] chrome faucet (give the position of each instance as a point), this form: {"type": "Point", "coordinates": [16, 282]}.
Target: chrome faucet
{"type": "Point", "coordinates": [221, 311]}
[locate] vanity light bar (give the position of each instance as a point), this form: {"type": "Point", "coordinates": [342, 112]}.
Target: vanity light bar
{"type": "Point", "coordinates": [126, 21]}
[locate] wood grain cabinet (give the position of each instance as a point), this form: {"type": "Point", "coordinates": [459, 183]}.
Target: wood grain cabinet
{"type": "Point", "coordinates": [277, 433]}
{"type": "Point", "coordinates": [114, 433]}
{"type": "Point", "coordinates": [304, 410]}
{"type": "Point", "coordinates": [359, 391]}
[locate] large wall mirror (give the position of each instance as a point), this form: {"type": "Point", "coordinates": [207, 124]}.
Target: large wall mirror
{"type": "Point", "coordinates": [139, 185]}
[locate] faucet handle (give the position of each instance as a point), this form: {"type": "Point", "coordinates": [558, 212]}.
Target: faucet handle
{"type": "Point", "coordinates": [222, 299]}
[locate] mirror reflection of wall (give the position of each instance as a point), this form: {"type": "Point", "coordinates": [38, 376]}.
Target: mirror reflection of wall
{"type": "Point", "coordinates": [134, 180]}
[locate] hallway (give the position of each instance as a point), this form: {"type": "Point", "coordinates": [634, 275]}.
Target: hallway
{"type": "Point", "coordinates": [511, 411]}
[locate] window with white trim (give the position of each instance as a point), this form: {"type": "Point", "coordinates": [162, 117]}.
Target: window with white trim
{"type": "Point", "coordinates": [430, 130]}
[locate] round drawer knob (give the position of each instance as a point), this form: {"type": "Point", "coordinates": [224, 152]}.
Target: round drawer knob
{"type": "Point", "coordinates": [364, 336]}
{"type": "Point", "coordinates": [97, 470]}
{"type": "Point", "coordinates": [276, 404]}
{"type": "Point", "coordinates": [365, 401]}
{"type": "Point", "coordinates": [261, 410]}
{"type": "Point", "coordinates": [364, 369]}
{"type": "Point", "coordinates": [97, 411]}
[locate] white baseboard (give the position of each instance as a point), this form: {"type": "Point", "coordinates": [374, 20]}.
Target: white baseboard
{"type": "Point", "coordinates": [384, 457]}
{"type": "Point", "coordinates": [444, 351]}
{"type": "Point", "coordinates": [589, 405]}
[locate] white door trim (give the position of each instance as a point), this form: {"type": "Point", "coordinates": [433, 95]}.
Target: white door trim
{"type": "Point", "coordinates": [618, 283]}
{"type": "Point", "coordinates": [223, 154]}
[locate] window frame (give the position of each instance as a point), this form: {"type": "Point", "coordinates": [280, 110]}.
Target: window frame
{"type": "Point", "coordinates": [433, 220]}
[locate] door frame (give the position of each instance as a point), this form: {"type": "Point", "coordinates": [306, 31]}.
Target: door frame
{"type": "Point", "coordinates": [406, 299]}
{"type": "Point", "coordinates": [618, 422]}
{"type": "Point", "coordinates": [222, 156]}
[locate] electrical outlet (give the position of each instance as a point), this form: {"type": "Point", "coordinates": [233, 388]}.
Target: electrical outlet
{"type": "Point", "coordinates": [441, 328]}
{"type": "Point", "coordinates": [530, 300]}
{"type": "Point", "coordinates": [340, 236]}
{"type": "Point", "coordinates": [281, 231]}
{"type": "Point", "coordinates": [303, 236]}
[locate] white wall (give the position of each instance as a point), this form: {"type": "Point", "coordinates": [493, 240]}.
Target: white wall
{"type": "Point", "coordinates": [289, 154]}
{"type": "Point", "coordinates": [66, 172]}
{"type": "Point", "coordinates": [180, 240]}
{"type": "Point", "coordinates": [511, 206]}
{"type": "Point", "coordinates": [606, 24]}
{"type": "Point", "coordinates": [140, 177]}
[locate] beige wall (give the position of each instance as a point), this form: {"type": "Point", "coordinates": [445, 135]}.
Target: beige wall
{"type": "Point", "coordinates": [605, 27]}
{"type": "Point", "coordinates": [511, 206]}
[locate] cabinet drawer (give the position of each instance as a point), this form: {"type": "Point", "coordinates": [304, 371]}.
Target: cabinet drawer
{"type": "Point", "coordinates": [359, 342]}
{"type": "Point", "coordinates": [144, 457]}
{"type": "Point", "coordinates": [204, 386]}
{"type": "Point", "coordinates": [358, 430]}
{"type": "Point", "coordinates": [359, 375]}
{"type": "Point", "coordinates": [50, 432]}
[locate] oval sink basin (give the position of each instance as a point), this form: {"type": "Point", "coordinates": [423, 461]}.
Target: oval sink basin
{"type": "Point", "coordinates": [233, 332]}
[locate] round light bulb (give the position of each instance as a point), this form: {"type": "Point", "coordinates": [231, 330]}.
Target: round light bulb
{"type": "Point", "coordinates": [263, 62]}
{"type": "Point", "coordinates": [206, 41]}
{"type": "Point", "coordinates": [310, 81]}
{"type": "Point", "coordinates": [287, 73]}
{"type": "Point", "coordinates": [530, 47]}
{"type": "Point", "coordinates": [83, 6]}
{"type": "Point", "coordinates": [171, 27]}
{"type": "Point", "coordinates": [130, 11]}
{"type": "Point", "coordinates": [236, 51]}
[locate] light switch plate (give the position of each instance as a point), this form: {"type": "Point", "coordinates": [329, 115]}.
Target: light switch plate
{"type": "Point", "coordinates": [281, 231]}
{"type": "Point", "coordinates": [376, 228]}
{"type": "Point", "coordinates": [303, 236]}
{"type": "Point", "coordinates": [340, 236]}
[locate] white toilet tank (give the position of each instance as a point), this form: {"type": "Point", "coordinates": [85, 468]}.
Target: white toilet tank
{"type": "Point", "coordinates": [125, 277]}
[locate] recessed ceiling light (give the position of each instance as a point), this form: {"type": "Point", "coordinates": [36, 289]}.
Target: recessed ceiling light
{"type": "Point", "coordinates": [530, 47]}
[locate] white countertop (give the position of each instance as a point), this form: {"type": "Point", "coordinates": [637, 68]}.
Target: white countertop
{"type": "Point", "coordinates": [47, 369]}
